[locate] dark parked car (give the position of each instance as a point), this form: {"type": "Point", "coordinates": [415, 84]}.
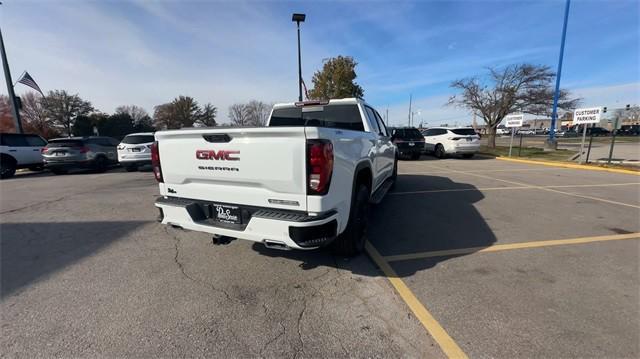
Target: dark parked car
{"type": "Point", "coordinates": [93, 152]}
{"type": "Point", "coordinates": [629, 130]}
{"type": "Point", "coordinates": [409, 141]}
{"type": "Point", "coordinates": [597, 131]}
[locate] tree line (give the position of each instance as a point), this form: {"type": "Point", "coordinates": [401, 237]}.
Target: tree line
{"type": "Point", "coordinates": [60, 114]}
{"type": "Point", "coordinates": [517, 88]}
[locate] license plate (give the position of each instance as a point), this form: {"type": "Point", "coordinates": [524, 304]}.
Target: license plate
{"type": "Point", "coordinates": [226, 214]}
{"type": "Point", "coordinates": [411, 144]}
{"type": "Point", "coordinates": [135, 150]}
{"type": "Point", "coordinates": [468, 139]}
{"type": "Point", "coordinates": [58, 154]}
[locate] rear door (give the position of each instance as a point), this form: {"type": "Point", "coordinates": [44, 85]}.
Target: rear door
{"type": "Point", "coordinates": [18, 147]}
{"type": "Point", "coordinates": [35, 144]}
{"type": "Point", "coordinates": [387, 149]}
{"type": "Point", "coordinates": [263, 167]}
{"type": "Point", "coordinates": [378, 155]}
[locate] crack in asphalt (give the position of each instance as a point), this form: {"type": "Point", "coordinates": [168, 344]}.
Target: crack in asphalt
{"type": "Point", "coordinates": [304, 308]}
{"type": "Point", "coordinates": [186, 275]}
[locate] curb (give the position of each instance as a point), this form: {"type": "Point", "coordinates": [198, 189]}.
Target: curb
{"type": "Point", "coordinates": [570, 165]}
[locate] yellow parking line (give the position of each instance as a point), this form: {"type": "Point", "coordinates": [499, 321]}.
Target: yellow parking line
{"type": "Point", "coordinates": [510, 246]}
{"type": "Point", "coordinates": [446, 343]}
{"type": "Point", "coordinates": [570, 165]}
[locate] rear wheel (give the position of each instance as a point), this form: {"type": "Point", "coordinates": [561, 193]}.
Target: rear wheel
{"type": "Point", "coordinates": [351, 241]}
{"type": "Point", "coordinates": [439, 151]}
{"type": "Point", "coordinates": [100, 164]}
{"type": "Point", "coordinates": [7, 168]}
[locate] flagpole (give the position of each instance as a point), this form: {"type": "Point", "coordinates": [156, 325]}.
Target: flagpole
{"type": "Point", "coordinates": [12, 95]}
{"type": "Point", "coordinates": [19, 77]}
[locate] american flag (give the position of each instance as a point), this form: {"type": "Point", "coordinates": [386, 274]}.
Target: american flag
{"type": "Point", "coordinates": [27, 80]}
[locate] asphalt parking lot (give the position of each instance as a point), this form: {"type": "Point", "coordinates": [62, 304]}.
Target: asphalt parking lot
{"type": "Point", "coordinates": [482, 257]}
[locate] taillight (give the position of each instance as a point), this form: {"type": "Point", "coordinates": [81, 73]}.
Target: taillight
{"type": "Point", "coordinates": [456, 138]}
{"type": "Point", "coordinates": [43, 150]}
{"type": "Point", "coordinates": [319, 166]}
{"type": "Point", "coordinates": [155, 162]}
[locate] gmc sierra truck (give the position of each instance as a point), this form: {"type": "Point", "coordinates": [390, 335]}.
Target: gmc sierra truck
{"type": "Point", "coordinates": [304, 181]}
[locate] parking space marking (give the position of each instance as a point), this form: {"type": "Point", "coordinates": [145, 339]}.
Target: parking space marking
{"type": "Point", "coordinates": [487, 170]}
{"type": "Point", "coordinates": [510, 246]}
{"type": "Point", "coordinates": [446, 343]}
{"type": "Point", "coordinates": [547, 189]}
{"type": "Point", "coordinates": [514, 187]}
{"type": "Point", "coordinates": [570, 165]}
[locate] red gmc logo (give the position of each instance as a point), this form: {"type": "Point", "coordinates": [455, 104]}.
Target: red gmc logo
{"type": "Point", "coordinates": [221, 155]}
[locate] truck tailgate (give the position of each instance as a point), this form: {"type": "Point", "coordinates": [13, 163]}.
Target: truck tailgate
{"type": "Point", "coordinates": [264, 167]}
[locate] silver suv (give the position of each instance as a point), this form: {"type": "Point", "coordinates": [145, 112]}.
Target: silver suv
{"type": "Point", "coordinates": [93, 152]}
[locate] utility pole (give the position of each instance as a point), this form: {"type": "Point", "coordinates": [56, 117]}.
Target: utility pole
{"type": "Point", "coordinates": [12, 95]}
{"type": "Point", "coordinates": [410, 99]}
{"type": "Point", "coordinates": [552, 142]}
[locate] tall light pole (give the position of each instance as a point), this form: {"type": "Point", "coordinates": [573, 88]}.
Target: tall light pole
{"type": "Point", "coordinates": [12, 95]}
{"type": "Point", "coordinates": [298, 18]}
{"type": "Point", "coordinates": [551, 142]}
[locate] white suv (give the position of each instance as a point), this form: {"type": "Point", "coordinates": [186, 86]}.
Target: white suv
{"type": "Point", "coordinates": [442, 141]}
{"type": "Point", "coordinates": [19, 150]}
{"type": "Point", "coordinates": [135, 150]}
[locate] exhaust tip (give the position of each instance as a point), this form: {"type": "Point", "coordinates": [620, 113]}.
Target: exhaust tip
{"type": "Point", "coordinates": [276, 245]}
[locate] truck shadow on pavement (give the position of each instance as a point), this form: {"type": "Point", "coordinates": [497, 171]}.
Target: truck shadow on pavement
{"type": "Point", "coordinates": [31, 251]}
{"type": "Point", "coordinates": [422, 214]}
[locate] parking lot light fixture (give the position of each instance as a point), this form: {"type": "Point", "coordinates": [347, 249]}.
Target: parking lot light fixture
{"type": "Point", "coordinates": [298, 18]}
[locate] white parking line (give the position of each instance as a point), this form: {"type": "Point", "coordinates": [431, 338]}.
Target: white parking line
{"type": "Point", "coordinates": [515, 187]}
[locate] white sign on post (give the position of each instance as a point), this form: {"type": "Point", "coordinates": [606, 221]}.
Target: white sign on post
{"type": "Point", "coordinates": [584, 116]}
{"type": "Point", "coordinates": [587, 115]}
{"type": "Point", "coordinates": [514, 121]}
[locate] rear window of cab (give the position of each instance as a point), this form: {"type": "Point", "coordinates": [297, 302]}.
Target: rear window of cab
{"type": "Point", "coordinates": [346, 117]}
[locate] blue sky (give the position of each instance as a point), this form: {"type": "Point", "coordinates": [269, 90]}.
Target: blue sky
{"type": "Point", "coordinates": [145, 53]}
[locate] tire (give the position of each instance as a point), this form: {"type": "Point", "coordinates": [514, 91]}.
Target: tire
{"type": "Point", "coordinates": [351, 241]}
{"type": "Point", "coordinates": [100, 164]}
{"type": "Point", "coordinates": [59, 171]}
{"type": "Point", "coordinates": [131, 168]}
{"type": "Point", "coordinates": [7, 168]}
{"type": "Point", "coordinates": [467, 155]}
{"type": "Point", "coordinates": [439, 151]}
{"type": "Point", "coordinates": [394, 174]}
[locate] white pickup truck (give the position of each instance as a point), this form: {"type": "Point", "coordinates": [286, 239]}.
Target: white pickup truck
{"type": "Point", "coordinates": [304, 181]}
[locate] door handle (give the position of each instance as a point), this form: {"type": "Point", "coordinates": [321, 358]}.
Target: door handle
{"type": "Point", "coordinates": [12, 150]}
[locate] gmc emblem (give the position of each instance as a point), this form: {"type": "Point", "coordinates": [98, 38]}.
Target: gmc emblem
{"type": "Point", "coordinates": [221, 155]}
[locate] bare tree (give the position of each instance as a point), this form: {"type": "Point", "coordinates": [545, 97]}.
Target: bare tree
{"type": "Point", "coordinates": [515, 88]}
{"type": "Point", "coordinates": [137, 113]}
{"type": "Point", "coordinates": [164, 117]}
{"type": "Point", "coordinates": [257, 113]}
{"type": "Point", "coordinates": [238, 115]}
{"type": "Point", "coordinates": [63, 108]}
{"type": "Point", "coordinates": [35, 116]}
{"type": "Point", "coordinates": [208, 115]}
